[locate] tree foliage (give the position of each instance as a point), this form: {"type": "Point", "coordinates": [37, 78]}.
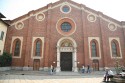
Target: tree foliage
{"type": "Point", "coordinates": [5, 59]}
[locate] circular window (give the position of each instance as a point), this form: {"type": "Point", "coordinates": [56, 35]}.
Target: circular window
{"type": "Point", "coordinates": [40, 16]}
{"type": "Point", "coordinates": [65, 8]}
{"type": "Point", "coordinates": [19, 25]}
{"type": "Point", "coordinates": [91, 18]}
{"type": "Point", "coordinates": [66, 26]}
{"type": "Point", "coordinates": [112, 27]}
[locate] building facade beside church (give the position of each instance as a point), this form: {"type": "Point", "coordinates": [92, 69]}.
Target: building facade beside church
{"type": "Point", "coordinates": [3, 31]}
{"type": "Point", "coordinates": [67, 35]}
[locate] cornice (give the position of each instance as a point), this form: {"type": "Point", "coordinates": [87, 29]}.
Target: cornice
{"type": "Point", "coordinates": [75, 5]}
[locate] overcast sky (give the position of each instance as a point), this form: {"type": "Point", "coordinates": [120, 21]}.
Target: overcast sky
{"type": "Point", "coordinates": [15, 8]}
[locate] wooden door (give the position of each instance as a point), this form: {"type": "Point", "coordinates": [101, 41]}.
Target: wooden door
{"type": "Point", "coordinates": [66, 61]}
{"type": "Point", "coordinates": [95, 65]}
{"type": "Point", "coordinates": [36, 64]}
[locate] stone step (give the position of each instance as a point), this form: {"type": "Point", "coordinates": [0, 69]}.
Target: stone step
{"type": "Point", "coordinates": [67, 73]}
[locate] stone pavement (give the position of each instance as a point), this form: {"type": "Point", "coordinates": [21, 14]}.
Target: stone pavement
{"type": "Point", "coordinates": [45, 77]}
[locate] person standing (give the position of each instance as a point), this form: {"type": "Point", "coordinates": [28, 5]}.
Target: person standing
{"type": "Point", "coordinates": [51, 69]}
{"type": "Point", "coordinates": [83, 69]}
{"type": "Point", "coordinates": [88, 69]}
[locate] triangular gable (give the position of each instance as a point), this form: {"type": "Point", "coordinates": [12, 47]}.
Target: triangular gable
{"type": "Point", "coordinates": [66, 2]}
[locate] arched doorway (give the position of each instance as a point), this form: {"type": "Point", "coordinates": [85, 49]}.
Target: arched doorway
{"type": "Point", "coordinates": [66, 55]}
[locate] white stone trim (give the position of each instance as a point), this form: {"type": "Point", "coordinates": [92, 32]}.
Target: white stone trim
{"type": "Point", "coordinates": [82, 8]}
{"type": "Point", "coordinates": [25, 68]}
{"type": "Point", "coordinates": [42, 14]}
{"type": "Point", "coordinates": [107, 20]}
{"type": "Point", "coordinates": [89, 41]}
{"type": "Point", "coordinates": [21, 39]}
{"type": "Point", "coordinates": [17, 68]}
{"type": "Point", "coordinates": [46, 68]}
{"type": "Point", "coordinates": [61, 8]}
{"type": "Point", "coordinates": [87, 11]}
{"type": "Point", "coordinates": [41, 68]}
{"type": "Point", "coordinates": [5, 68]}
{"type": "Point", "coordinates": [115, 27]}
{"type": "Point", "coordinates": [33, 40]}
{"type": "Point", "coordinates": [118, 40]}
{"type": "Point", "coordinates": [16, 25]}
{"type": "Point", "coordinates": [66, 49]}
{"type": "Point", "coordinates": [74, 54]}
{"type": "Point", "coordinates": [74, 43]}
{"type": "Point", "coordinates": [21, 20]}
{"type": "Point", "coordinates": [67, 18]}
{"type": "Point", "coordinates": [88, 17]}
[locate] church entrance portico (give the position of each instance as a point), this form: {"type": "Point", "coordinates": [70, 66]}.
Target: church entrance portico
{"type": "Point", "coordinates": [66, 55]}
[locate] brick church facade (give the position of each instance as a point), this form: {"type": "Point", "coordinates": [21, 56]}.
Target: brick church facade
{"type": "Point", "coordinates": [67, 35]}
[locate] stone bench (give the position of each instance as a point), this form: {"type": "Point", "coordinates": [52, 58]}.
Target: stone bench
{"type": "Point", "coordinates": [118, 80]}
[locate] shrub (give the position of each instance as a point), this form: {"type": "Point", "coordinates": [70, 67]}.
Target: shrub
{"type": "Point", "coordinates": [5, 59]}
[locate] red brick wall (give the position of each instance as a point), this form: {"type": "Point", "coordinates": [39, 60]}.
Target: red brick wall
{"type": "Point", "coordinates": [47, 28]}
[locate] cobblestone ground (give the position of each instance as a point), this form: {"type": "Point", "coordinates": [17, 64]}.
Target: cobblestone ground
{"type": "Point", "coordinates": [48, 79]}
{"type": "Point", "coordinates": [44, 77]}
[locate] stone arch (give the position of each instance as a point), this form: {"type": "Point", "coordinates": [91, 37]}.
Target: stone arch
{"type": "Point", "coordinates": [72, 49]}
{"type": "Point", "coordinates": [68, 38]}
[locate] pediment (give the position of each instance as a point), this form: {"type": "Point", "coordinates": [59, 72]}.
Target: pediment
{"type": "Point", "coordinates": [65, 2]}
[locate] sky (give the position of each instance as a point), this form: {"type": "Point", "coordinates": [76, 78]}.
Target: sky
{"type": "Point", "coordinates": [15, 8]}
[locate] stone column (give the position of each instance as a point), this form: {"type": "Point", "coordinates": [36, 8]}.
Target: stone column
{"type": "Point", "coordinates": [75, 60]}
{"type": "Point", "coordinates": [58, 60]}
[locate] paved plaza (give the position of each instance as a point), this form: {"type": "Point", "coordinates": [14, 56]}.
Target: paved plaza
{"type": "Point", "coordinates": [45, 77]}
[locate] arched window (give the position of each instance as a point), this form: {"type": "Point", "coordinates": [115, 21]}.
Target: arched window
{"type": "Point", "coordinates": [115, 49]}
{"type": "Point", "coordinates": [17, 48]}
{"type": "Point", "coordinates": [93, 49]}
{"type": "Point", "coordinates": [38, 48]}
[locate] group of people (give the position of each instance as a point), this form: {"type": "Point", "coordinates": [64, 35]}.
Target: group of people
{"type": "Point", "coordinates": [109, 74]}
{"type": "Point", "coordinates": [88, 69]}
{"type": "Point", "coordinates": [52, 69]}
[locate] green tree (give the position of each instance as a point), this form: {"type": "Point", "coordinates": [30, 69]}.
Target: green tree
{"type": "Point", "coordinates": [5, 59]}
{"type": "Point", "coordinates": [118, 67]}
